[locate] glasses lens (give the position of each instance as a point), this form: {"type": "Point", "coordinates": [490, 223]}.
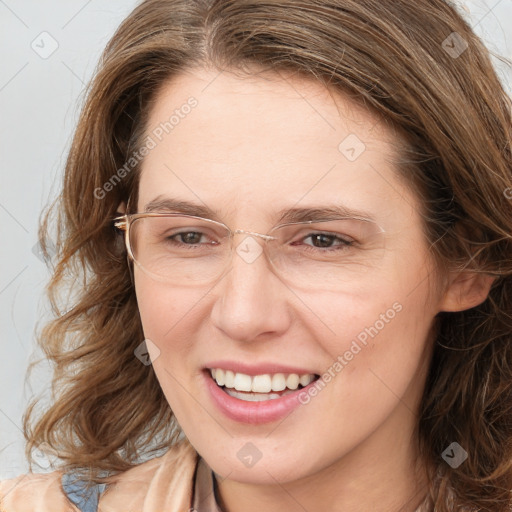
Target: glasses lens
{"type": "Point", "coordinates": [324, 255]}
{"type": "Point", "coordinates": [179, 249]}
{"type": "Point", "coordinates": [327, 255]}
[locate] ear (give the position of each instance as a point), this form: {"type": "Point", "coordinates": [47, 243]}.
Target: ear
{"type": "Point", "coordinates": [466, 290]}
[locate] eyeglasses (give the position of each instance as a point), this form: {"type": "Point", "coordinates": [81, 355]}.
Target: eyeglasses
{"type": "Point", "coordinates": [188, 250]}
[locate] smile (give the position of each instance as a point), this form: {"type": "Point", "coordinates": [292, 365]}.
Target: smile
{"type": "Point", "coordinates": [258, 398]}
{"type": "Point", "coordinates": [262, 387]}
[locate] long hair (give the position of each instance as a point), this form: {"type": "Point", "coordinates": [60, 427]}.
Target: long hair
{"type": "Point", "coordinates": [419, 66]}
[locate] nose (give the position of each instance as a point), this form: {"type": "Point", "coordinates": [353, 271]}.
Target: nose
{"type": "Point", "coordinates": [252, 302]}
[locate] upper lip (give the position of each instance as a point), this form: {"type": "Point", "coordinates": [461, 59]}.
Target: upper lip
{"type": "Point", "coordinates": [258, 369]}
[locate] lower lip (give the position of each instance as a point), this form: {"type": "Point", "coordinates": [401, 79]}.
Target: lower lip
{"type": "Point", "coordinates": [253, 412]}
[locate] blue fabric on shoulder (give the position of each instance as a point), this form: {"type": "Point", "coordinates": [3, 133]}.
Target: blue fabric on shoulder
{"type": "Point", "coordinates": [76, 490]}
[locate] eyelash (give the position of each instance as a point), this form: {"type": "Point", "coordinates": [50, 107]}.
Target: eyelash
{"type": "Point", "coordinates": [343, 245]}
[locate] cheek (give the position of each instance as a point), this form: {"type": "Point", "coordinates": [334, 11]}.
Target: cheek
{"type": "Point", "coordinates": [164, 310]}
{"type": "Point", "coordinates": [167, 313]}
{"type": "Point", "coordinates": [384, 333]}
{"type": "Point", "coordinates": [377, 338]}
{"type": "Point", "coordinates": [375, 367]}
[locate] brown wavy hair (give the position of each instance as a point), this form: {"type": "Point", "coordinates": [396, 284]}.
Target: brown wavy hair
{"type": "Point", "coordinates": [107, 409]}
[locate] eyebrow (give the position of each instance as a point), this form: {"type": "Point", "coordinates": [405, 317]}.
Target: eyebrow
{"type": "Point", "coordinates": [315, 213]}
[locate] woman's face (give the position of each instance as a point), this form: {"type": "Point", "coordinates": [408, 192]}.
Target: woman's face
{"type": "Point", "coordinates": [248, 149]}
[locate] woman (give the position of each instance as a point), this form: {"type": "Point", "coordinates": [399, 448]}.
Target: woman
{"type": "Point", "coordinates": [291, 226]}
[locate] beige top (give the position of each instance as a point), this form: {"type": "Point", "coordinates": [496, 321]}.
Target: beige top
{"type": "Point", "coordinates": [162, 483]}
{"type": "Point", "coordinates": [178, 481]}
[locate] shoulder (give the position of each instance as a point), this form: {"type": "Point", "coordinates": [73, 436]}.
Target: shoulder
{"type": "Point", "coordinates": [162, 483]}
{"type": "Point", "coordinates": [23, 493]}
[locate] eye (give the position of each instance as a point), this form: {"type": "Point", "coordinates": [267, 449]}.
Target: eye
{"type": "Point", "coordinates": [327, 241]}
{"type": "Point", "coordinates": [188, 237]}
{"type": "Point", "coordinates": [192, 240]}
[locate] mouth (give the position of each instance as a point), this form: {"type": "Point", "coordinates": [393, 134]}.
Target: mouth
{"type": "Point", "coordinates": [259, 388]}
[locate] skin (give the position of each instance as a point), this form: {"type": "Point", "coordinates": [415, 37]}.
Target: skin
{"type": "Point", "coordinates": [252, 146]}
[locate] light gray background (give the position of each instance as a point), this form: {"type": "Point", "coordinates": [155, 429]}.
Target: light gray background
{"type": "Point", "coordinates": [40, 96]}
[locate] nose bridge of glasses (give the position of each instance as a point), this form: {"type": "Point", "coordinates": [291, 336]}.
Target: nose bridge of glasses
{"type": "Point", "coordinates": [265, 237]}
{"type": "Point", "coordinates": [248, 249]}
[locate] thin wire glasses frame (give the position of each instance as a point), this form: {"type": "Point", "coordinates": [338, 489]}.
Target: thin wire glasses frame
{"type": "Point", "coordinates": [126, 221]}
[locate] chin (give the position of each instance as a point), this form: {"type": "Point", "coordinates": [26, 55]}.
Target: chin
{"type": "Point", "coordinates": [262, 473]}
{"type": "Point", "coordinates": [269, 463]}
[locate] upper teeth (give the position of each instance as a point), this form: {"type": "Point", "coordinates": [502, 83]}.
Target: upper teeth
{"type": "Point", "coordinates": [260, 383]}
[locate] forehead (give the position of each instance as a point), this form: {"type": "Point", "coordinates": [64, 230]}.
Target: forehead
{"type": "Point", "coordinates": [262, 142]}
